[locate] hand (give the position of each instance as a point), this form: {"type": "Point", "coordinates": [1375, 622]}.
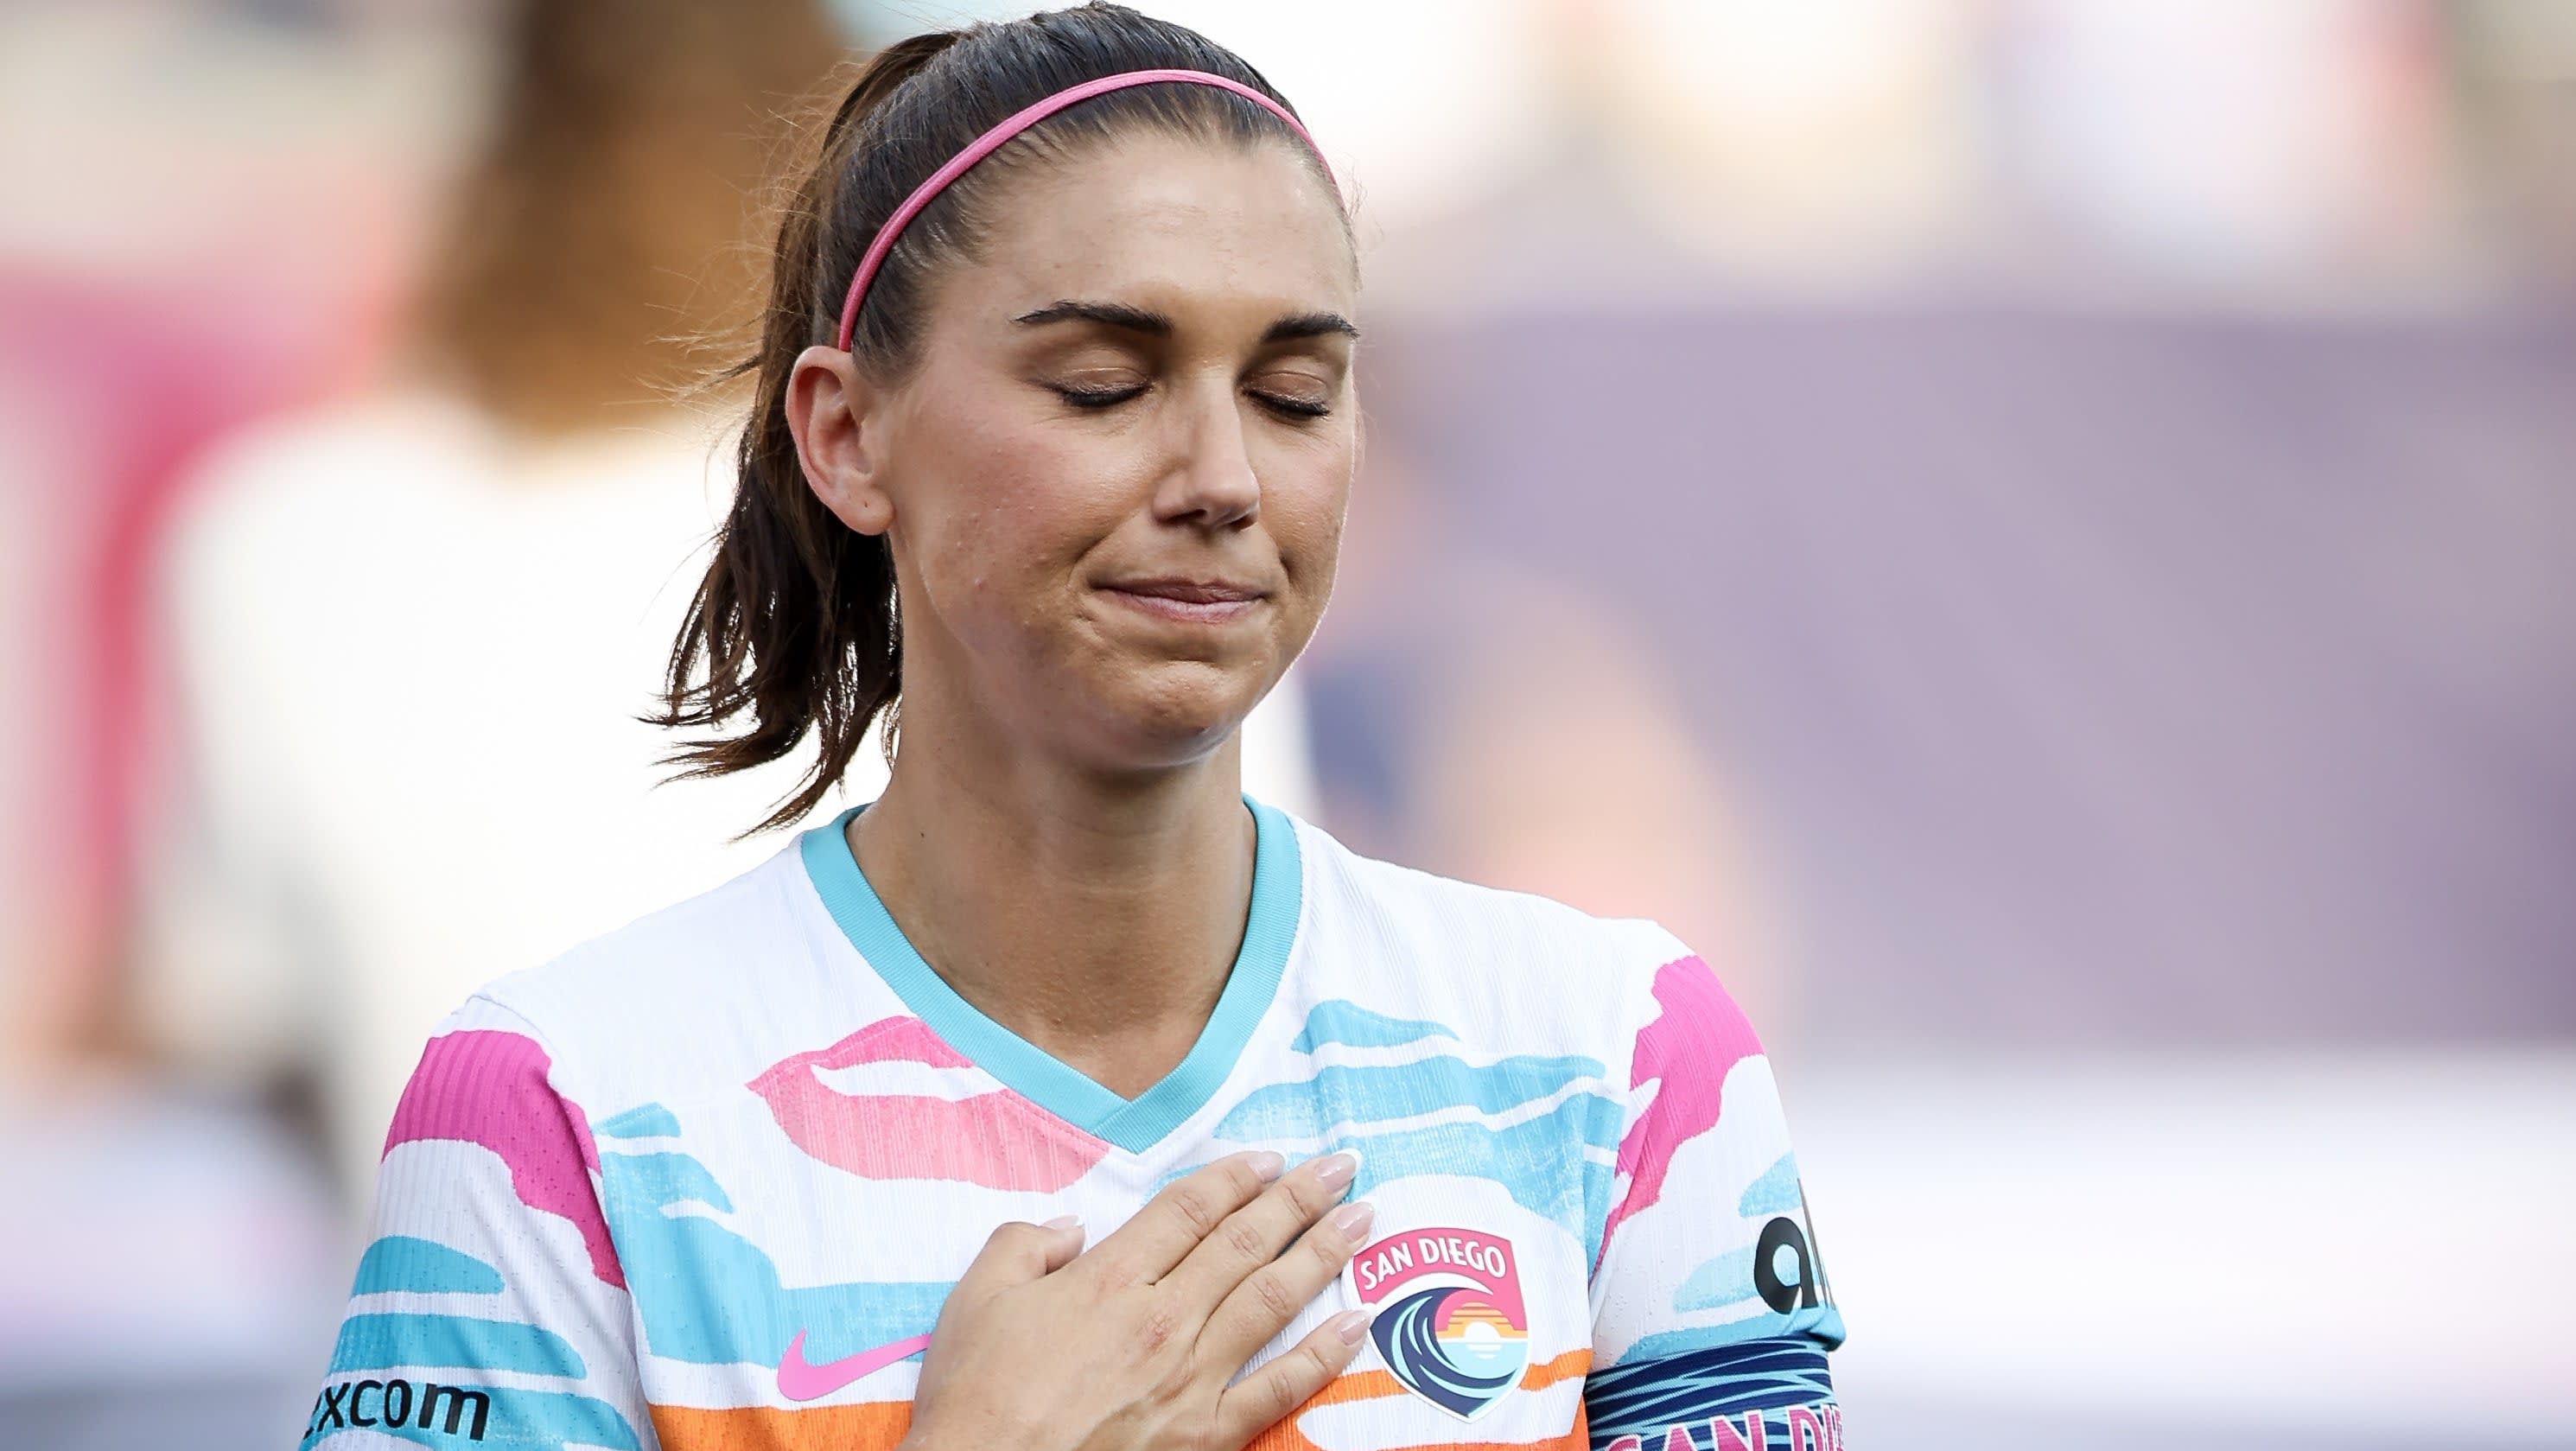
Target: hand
{"type": "Point", "coordinates": [1128, 1346]}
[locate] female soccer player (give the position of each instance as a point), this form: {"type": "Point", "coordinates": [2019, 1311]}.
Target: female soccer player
{"type": "Point", "coordinates": [1064, 1097]}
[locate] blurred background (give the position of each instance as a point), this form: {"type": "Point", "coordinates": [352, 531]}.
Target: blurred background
{"type": "Point", "coordinates": [2040, 534]}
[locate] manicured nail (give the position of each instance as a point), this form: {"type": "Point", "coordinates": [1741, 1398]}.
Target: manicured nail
{"type": "Point", "coordinates": [1062, 1221]}
{"type": "Point", "coordinates": [1350, 1325]}
{"type": "Point", "coordinates": [1353, 1220]}
{"type": "Point", "coordinates": [1338, 1169]}
{"type": "Point", "coordinates": [1267, 1164]}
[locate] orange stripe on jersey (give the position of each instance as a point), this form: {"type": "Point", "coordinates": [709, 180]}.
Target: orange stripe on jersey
{"type": "Point", "coordinates": [870, 1426]}
{"type": "Point", "coordinates": [1372, 1384]}
{"type": "Point", "coordinates": [878, 1425]}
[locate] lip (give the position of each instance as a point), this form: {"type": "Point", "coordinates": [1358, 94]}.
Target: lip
{"type": "Point", "coordinates": [1192, 601]}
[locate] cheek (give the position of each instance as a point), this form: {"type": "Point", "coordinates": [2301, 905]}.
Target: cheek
{"type": "Point", "coordinates": [1007, 520]}
{"type": "Point", "coordinates": [1303, 508]}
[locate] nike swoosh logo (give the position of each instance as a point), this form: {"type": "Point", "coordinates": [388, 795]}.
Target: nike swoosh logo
{"type": "Point", "coordinates": [801, 1382]}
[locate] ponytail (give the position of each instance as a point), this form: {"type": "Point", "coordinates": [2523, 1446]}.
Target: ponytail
{"type": "Point", "coordinates": [795, 622]}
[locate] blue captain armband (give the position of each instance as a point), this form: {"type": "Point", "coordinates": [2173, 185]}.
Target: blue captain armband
{"type": "Point", "coordinates": [1755, 1395]}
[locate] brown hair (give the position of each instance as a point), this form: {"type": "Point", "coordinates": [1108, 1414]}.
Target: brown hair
{"type": "Point", "coordinates": [605, 225]}
{"type": "Point", "coordinates": [796, 623]}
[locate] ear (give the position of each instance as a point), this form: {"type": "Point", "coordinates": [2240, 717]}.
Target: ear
{"type": "Point", "coordinates": [839, 420]}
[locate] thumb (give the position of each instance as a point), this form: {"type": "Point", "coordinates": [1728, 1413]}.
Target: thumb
{"type": "Point", "coordinates": [1019, 1252]}
{"type": "Point", "coordinates": [1066, 1241]}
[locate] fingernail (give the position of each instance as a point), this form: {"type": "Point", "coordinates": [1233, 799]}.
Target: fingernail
{"type": "Point", "coordinates": [1267, 1164]}
{"type": "Point", "coordinates": [1353, 1220]}
{"type": "Point", "coordinates": [1062, 1221]}
{"type": "Point", "coordinates": [1350, 1325]}
{"type": "Point", "coordinates": [1338, 1169]}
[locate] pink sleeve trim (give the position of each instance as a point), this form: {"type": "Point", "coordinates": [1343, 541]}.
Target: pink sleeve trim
{"type": "Point", "coordinates": [1688, 1049]}
{"type": "Point", "coordinates": [490, 1088]}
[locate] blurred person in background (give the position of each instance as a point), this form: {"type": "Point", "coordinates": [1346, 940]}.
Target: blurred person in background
{"type": "Point", "coordinates": [412, 635]}
{"type": "Point", "coordinates": [407, 632]}
{"type": "Point", "coordinates": [275, 292]}
{"type": "Point", "coordinates": [210, 207]}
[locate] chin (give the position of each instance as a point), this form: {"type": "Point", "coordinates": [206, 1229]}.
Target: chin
{"type": "Point", "coordinates": [1178, 713]}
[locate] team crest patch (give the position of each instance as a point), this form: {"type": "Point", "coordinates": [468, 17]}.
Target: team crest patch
{"type": "Point", "coordinates": [1449, 1321]}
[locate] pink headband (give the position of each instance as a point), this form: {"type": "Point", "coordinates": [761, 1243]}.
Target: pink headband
{"type": "Point", "coordinates": [991, 141]}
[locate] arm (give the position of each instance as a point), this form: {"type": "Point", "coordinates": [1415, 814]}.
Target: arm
{"type": "Point", "coordinates": [489, 1308]}
{"type": "Point", "coordinates": [1711, 1310]}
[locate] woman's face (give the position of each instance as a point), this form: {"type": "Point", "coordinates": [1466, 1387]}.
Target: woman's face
{"type": "Point", "coordinates": [1117, 476]}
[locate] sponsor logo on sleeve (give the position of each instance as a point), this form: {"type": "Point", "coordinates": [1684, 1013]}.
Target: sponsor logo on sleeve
{"type": "Point", "coordinates": [1788, 1273]}
{"type": "Point", "coordinates": [441, 1409]}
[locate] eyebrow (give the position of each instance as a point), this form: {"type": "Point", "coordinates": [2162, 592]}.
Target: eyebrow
{"type": "Point", "coordinates": [1309, 325]}
{"type": "Point", "coordinates": [1155, 324]}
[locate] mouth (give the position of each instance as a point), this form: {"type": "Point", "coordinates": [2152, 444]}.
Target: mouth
{"type": "Point", "coordinates": [1188, 601]}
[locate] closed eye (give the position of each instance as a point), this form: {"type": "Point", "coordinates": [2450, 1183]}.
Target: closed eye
{"type": "Point", "coordinates": [1098, 397]}
{"type": "Point", "coordinates": [1300, 408]}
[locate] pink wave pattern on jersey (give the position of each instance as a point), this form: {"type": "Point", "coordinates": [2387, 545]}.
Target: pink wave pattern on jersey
{"type": "Point", "coordinates": [999, 1140]}
{"type": "Point", "coordinates": [489, 1088]}
{"type": "Point", "coordinates": [1690, 1046]}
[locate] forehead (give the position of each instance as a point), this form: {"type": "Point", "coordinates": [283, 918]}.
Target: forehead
{"type": "Point", "coordinates": [1171, 219]}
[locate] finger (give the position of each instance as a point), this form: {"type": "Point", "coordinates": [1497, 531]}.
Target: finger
{"type": "Point", "coordinates": [1018, 1252]}
{"type": "Point", "coordinates": [1273, 1393]}
{"type": "Point", "coordinates": [1254, 1235]}
{"type": "Point", "coordinates": [1069, 1235]}
{"type": "Point", "coordinates": [1173, 1222]}
{"type": "Point", "coordinates": [1276, 1293]}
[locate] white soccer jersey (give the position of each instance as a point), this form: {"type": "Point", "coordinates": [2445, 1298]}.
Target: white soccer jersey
{"type": "Point", "coordinates": [705, 1182]}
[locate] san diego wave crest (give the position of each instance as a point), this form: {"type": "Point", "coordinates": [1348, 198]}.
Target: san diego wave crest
{"type": "Point", "coordinates": [1406, 1334]}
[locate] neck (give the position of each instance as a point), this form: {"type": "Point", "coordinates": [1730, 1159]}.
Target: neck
{"type": "Point", "coordinates": [1098, 918]}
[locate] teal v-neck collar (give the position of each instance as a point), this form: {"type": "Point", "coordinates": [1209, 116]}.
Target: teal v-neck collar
{"type": "Point", "coordinates": [1136, 1125]}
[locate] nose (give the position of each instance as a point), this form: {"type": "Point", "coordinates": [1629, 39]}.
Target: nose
{"type": "Point", "coordinates": [1211, 482]}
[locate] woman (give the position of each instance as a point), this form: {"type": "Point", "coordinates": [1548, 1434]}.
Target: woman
{"type": "Point", "coordinates": [1063, 1096]}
